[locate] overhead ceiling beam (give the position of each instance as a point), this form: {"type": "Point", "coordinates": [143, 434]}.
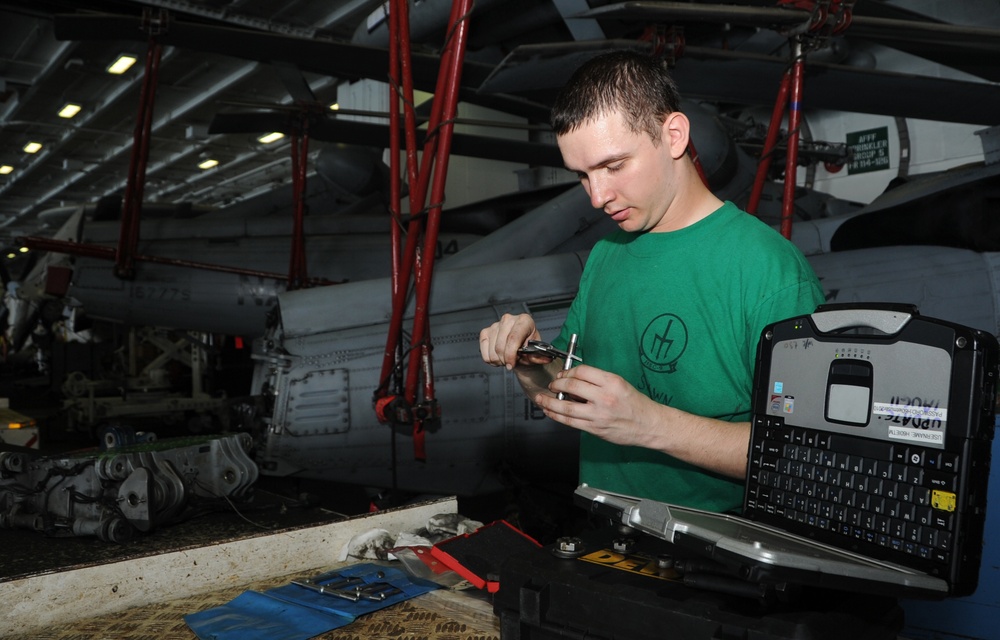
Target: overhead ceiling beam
{"type": "Point", "coordinates": [229, 17]}
{"type": "Point", "coordinates": [341, 13]}
{"type": "Point", "coordinates": [342, 60]}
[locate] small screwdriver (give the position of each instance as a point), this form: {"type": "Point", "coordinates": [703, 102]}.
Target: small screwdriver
{"type": "Point", "coordinates": [569, 361]}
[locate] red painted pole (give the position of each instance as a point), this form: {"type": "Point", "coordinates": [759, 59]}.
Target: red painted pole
{"type": "Point", "coordinates": [128, 234]}
{"type": "Point", "coordinates": [792, 154]}
{"type": "Point", "coordinates": [426, 175]}
{"type": "Point", "coordinates": [770, 142]}
{"type": "Point", "coordinates": [395, 192]}
{"type": "Point", "coordinates": [446, 106]}
{"type": "Point", "coordinates": [401, 90]}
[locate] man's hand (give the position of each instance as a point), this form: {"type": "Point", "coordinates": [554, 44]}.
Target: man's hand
{"type": "Point", "coordinates": [499, 343]}
{"type": "Point", "coordinates": [603, 404]}
{"type": "Point", "coordinates": [607, 406]}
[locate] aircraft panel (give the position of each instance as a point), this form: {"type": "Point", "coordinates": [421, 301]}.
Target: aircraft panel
{"type": "Point", "coordinates": [314, 404]}
{"type": "Point", "coordinates": [485, 424]}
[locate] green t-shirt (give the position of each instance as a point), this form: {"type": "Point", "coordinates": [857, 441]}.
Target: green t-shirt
{"type": "Point", "coordinates": [679, 315]}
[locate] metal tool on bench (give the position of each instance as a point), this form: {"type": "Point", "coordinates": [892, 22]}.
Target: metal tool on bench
{"type": "Point", "coordinates": [352, 588]}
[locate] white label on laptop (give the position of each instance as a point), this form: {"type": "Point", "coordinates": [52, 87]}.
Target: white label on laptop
{"type": "Point", "coordinates": [911, 412]}
{"type": "Point", "coordinates": [918, 423]}
{"type": "Point", "coordinates": [916, 435]}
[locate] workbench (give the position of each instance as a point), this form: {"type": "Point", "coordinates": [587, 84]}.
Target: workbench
{"type": "Point", "coordinates": [438, 615]}
{"type": "Point", "coordinates": [146, 595]}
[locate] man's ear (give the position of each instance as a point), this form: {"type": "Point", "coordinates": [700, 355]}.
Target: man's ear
{"type": "Point", "coordinates": [676, 133]}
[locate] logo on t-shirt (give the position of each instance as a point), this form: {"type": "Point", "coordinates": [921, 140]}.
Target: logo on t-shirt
{"type": "Point", "coordinates": [663, 343]}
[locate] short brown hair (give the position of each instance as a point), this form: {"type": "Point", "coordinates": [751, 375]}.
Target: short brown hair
{"type": "Point", "coordinates": [637, 85]}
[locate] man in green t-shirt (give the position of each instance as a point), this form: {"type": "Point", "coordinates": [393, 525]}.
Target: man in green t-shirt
{"type": "Point", "coordinates": [670, 306]}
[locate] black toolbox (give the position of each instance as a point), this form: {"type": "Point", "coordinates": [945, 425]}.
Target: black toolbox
{"type": "Point", "coordinates": [616, 583]}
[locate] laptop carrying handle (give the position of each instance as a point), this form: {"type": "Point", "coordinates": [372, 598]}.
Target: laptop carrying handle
{"type": "Point", "coordinates": [885, 317]}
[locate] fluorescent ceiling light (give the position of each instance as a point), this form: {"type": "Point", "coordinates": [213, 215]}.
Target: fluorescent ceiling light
{"type": "Point", "coordinates": [33, 147]}
{"type": "Point", "coordinates": [5, 169]}
{"type": "Point", "coordinates": [274, 136]}
{"type": "Point", "coordinates": [122, 64]}
{"type": "Point", "coordinates": [69, 110]}
{"type": "Point", "coordinates": [208, 164]}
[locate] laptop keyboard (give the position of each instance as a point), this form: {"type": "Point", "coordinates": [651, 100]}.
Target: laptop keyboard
{"type": "Point", "coordinates": [889, 500]}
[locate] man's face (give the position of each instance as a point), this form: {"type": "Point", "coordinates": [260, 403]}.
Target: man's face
{"type": "Point", "coordinates": [623, 172]}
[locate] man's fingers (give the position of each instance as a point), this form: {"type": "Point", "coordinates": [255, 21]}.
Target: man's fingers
{"type": "Point", "coordinates": [513, 333]}
{"type": "Point", "coordinates": [499, 343]}
{"type": "Point", "coordinates": [486, 349]}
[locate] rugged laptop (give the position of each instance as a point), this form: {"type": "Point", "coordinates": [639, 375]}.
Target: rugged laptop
{"type": "Point", "coordinates": [869, 458]}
